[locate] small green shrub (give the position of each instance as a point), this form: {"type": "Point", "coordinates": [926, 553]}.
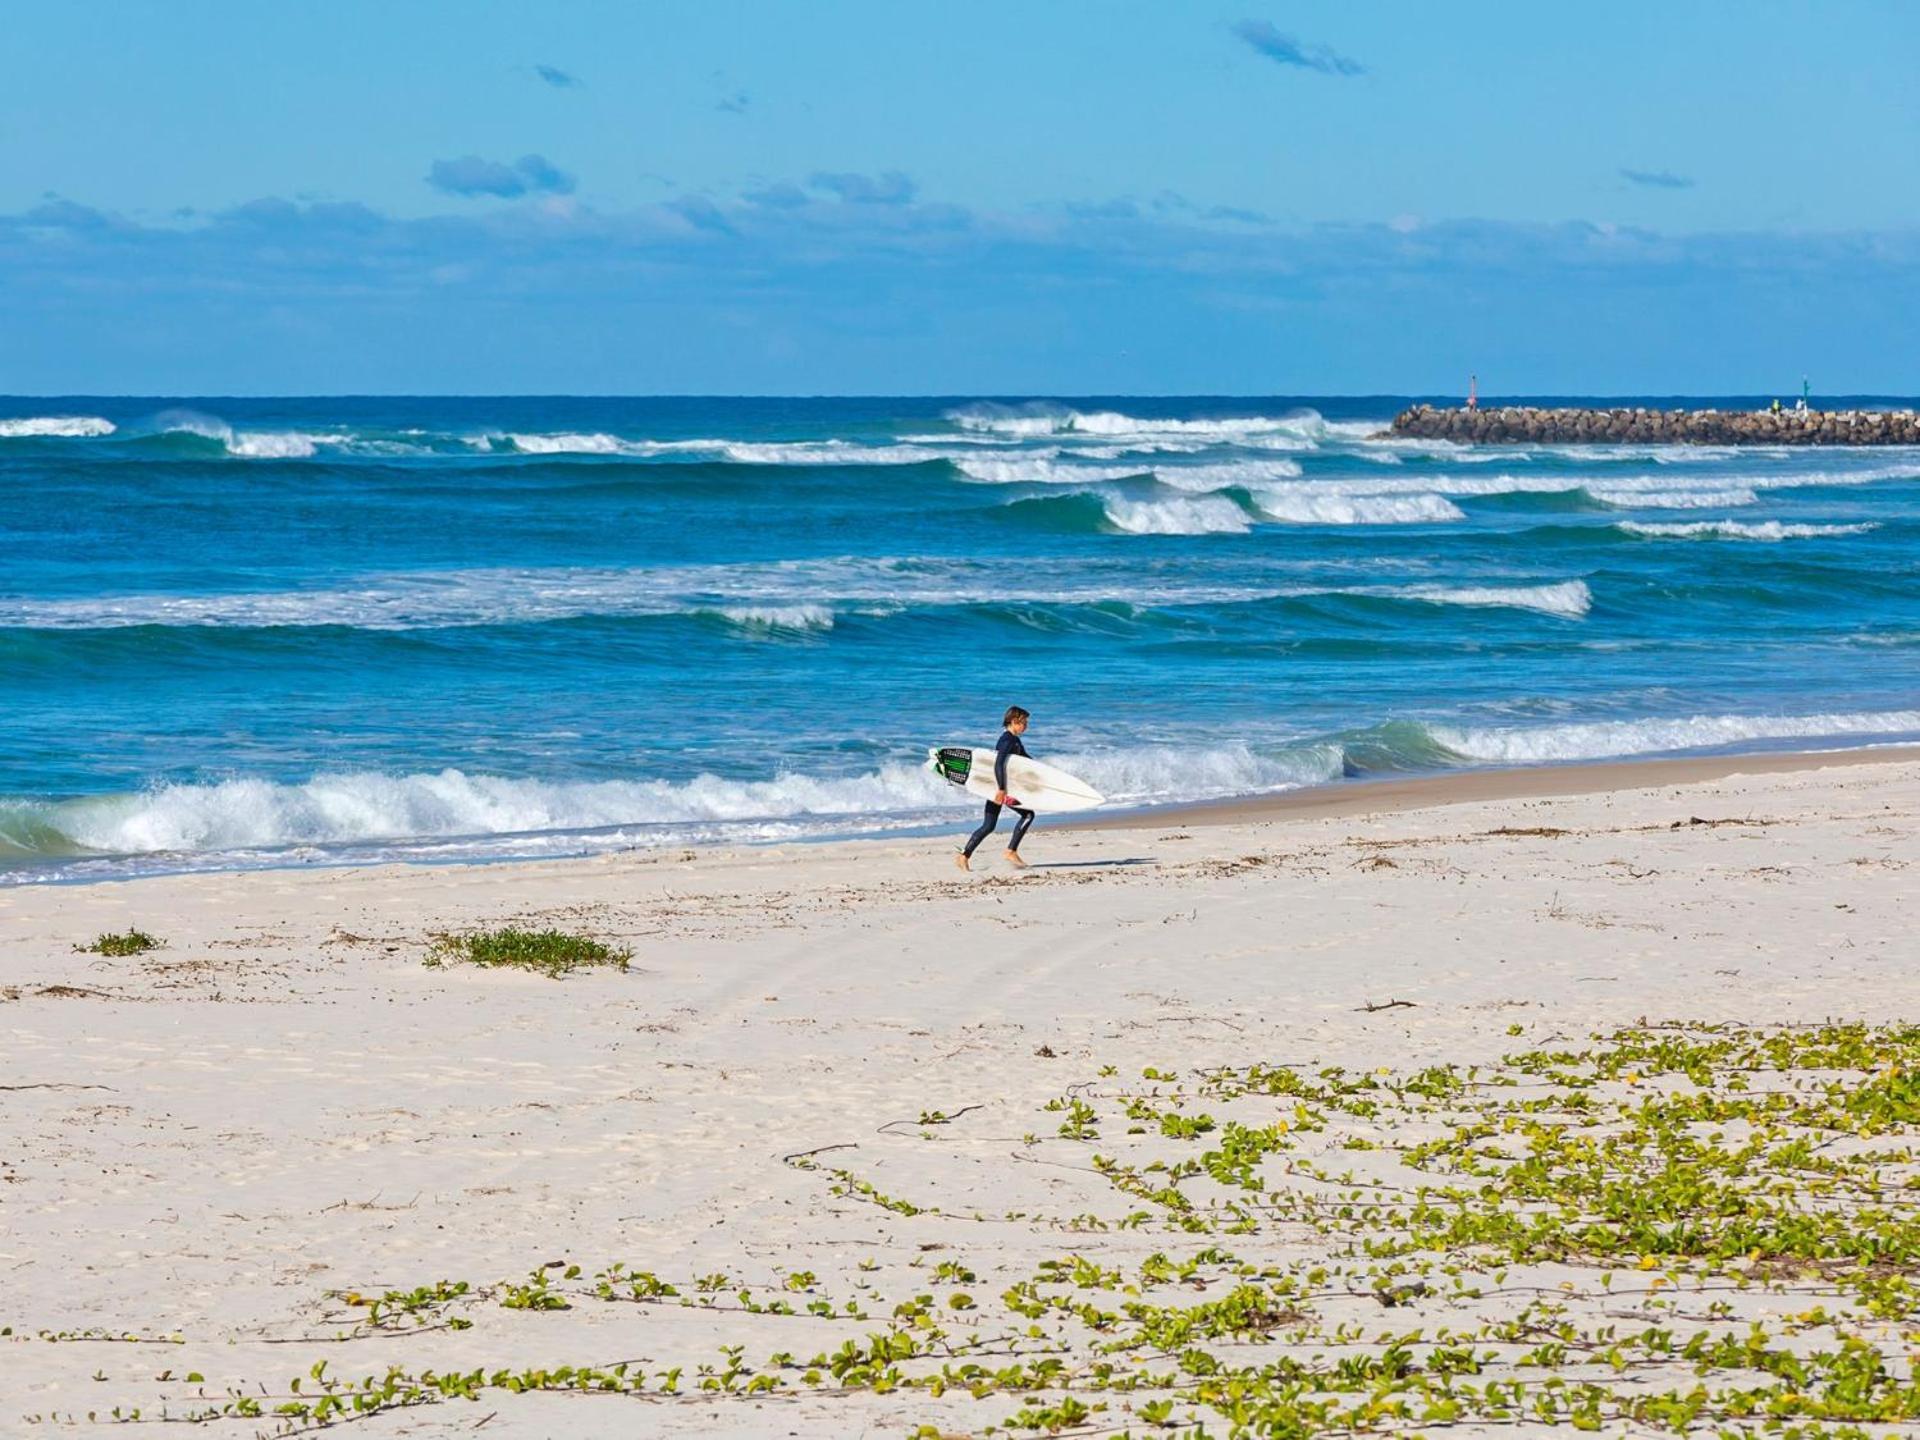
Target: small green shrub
{"type": "Point", "coordinates": [550, 952]}
{"type": "Point", "coordinates": [130, 942]}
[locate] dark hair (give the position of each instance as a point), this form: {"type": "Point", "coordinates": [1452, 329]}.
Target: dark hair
{"type": "Point", "coordinates": [1014, 712]}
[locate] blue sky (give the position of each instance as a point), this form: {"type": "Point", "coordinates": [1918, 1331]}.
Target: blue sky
{"type": "Point", "coordinates": [1061, 198]}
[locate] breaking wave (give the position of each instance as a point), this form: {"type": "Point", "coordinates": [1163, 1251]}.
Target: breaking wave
{"type": "Point", "coordinates": [358, 815]}
{"type": "Point", "coordinates": [370, 807]}
{"type": "Point", "coordinates": [1306, 505]}
{"type": "Point", "coordinates": [1674, 499]}
{"type": "Point", "coordinates": [1740, 530]}
{"type": "Point", "coordinates": [778, 617]}
{"type": "Point", "coordinates": [1570, 598]}
{"type": "Point", "coordinates": [1606, 739]}
{"type": "Point", "coordinates": [738, 452]}
{"type": "Point", "coordinates": [1225, 475]}
{"type": "Point", "coordinates": [243, 444]}
{"type": "Point", "coordinates": [1199, 515]}
{"type": "Point", "coordinates": [1028, 421]}
{"type": "Point", "coordinates": [792, 595]}
{"type": "Point", "coordinates": [65, 427]}
{"type": "Point", "coordinates": [1028, 469]}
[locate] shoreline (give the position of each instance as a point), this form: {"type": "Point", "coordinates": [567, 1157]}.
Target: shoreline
{"type": "Point", "coordinates": [1396, 794]}
{"type": "Point", "coordinates": [1333, 799]}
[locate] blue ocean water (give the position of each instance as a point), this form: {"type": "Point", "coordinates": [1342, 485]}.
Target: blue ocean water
{"type": "Point", "coordinates": [247, 632]}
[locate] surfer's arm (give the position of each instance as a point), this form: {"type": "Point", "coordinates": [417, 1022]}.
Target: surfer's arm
{"type": "Point", "coordinates": [1008, 747]}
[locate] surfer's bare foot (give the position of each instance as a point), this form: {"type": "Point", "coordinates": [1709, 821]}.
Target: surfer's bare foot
{"type": "Point", "coordinates": [960, 863]}
{"type": "Point", "coordinates": [1013, 859]}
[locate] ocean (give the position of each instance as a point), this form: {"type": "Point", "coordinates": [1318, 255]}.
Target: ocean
{"type": "Point", "coordinates": [240, 633]}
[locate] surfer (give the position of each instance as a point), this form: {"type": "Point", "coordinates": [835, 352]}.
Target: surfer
{"type": "Point", "coordinates": [1015, 725]}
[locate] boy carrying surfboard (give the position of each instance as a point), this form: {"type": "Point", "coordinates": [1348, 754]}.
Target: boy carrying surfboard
{"type": "Point", "coordinates": [1014, 725]}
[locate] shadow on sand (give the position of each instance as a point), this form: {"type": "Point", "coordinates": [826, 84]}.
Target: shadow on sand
{"type": "Point", "coordinates": [1090, 864]}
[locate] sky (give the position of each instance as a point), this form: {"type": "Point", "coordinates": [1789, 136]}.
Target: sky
{"type": "Point", "coordinates": [225, 197]}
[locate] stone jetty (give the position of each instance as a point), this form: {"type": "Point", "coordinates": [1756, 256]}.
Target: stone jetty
{"type": "Point", "coordinates": [1495, 424]}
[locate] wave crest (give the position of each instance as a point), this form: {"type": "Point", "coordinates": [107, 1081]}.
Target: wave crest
{"type": "Point", "coordinates": [1302, 505]}
{"type": "Point", "coordinates": [61, 427]}
{"type": "Point", "coordinates": [1035, 470]}
{"type": "Point", "coordinates": [1570, 598]}
{"type": "Point", "coordinates": [1673, 499]}
{"type": "Point", "coordinates": [1040, 419]}
{"type": "Point", "coordinates": [1765, 530]}
{"type": "Point", "coordinates": [1198, 515]}
{"type": "Point", "coordinates": [1605, 739]}
{"type": "Point", "coordinates": [778, 617]}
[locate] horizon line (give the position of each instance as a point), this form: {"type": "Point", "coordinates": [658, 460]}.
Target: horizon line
{"type": "Point", "coordinates": [1012, 396]}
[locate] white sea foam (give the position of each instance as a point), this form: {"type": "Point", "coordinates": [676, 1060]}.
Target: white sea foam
{"type": "Point", "coordinates": [1657, 454]}
{"type": "Point", "coordinates": [1199, 515]}
{"type": "Point", "coordinates": [842, 452]}
{"type": "Point", "coordinates": [67, 427]}
{"type": "Point", "coordinates": [1673, 499]}
{"type": "Point", "coordinates": [272, 445]}
{"type": "Point", "coordinates": [1139, 446]}
{"type": "Point", "coordinates": [1225, 474]}
{"type": "Point", "coordinates": [363, 808]}
{"type": "Point", "coordinates": [594, 443]}
{"type": "Point", "coordinates": [1356, 430]}
{"type": "Point", "coordinates": [738, 452]}
{"type": "Point", "coordinates": [1741, 530]}
{"type": "Point", "coordinates": [370, 806]}
{"type": "Point", "coordinates": [1604, 739]}
{"type": "Point", "coordinates": [568, 443]}
{"type": "Point", "coordinates": [779, 617]}
{"type": "Point", "coordinates": [452, 814]}
{"type": "Point", "coordinates": [1068, 470]}
{"type": "Point", "coordinates": [1033, 470]}
{"type": "Point", "coordinates": [1569, 598]}
{"type": "Point", "coordinates": [1868, 475]}
{"type": "Point", "coordinates": [1305, 505]}
{"type": "Point", "coordinates": [439, 599]}
{"type": "Point", "coordinates": [1043, 420]}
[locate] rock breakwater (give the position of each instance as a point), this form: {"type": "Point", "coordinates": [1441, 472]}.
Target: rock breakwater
{"type": "Point", "coordinates": [1637, 425]}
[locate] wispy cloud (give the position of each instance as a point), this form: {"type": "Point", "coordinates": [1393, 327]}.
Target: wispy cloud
{"type": "Point", "coordinates": [1657, 179]}
{"type": "Point", "coordinates": [556, 77]}
{"type": "Point", "coordinates": [734, 104]}
{"type": "Point", "coordinates": [781, 195]}
{"type": "Point", "coordinates": [890, 187]}
{"type": "Point", "coordinates": [469, 175]}
{"type": "Point", "coordinates": [1284, 49]}
{"type": "Point", "coordinates": [702, 213]}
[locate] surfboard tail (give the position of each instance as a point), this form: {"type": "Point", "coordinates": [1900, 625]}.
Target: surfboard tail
{"type": "Point", "coordinates": [951, 763]}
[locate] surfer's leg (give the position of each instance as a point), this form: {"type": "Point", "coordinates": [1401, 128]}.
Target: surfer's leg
{"type": "Point", "coordinates": [1019, 831]}
{"type": "Point", "coordinates": [986, 828]}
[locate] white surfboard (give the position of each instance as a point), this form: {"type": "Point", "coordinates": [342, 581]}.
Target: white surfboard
{"type": "Point", "coordinates": [1038, 786]}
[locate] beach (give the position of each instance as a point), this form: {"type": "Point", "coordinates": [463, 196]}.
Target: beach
{"type": "Point", "coordinates": [521, 566]}
{"type": "Point", "coordinates": [822, 1092]}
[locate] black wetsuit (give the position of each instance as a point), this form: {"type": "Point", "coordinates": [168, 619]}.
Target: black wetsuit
{"type": "Point", "coordinates": [1009, 746]}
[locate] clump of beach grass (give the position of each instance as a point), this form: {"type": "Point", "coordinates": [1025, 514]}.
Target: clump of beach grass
{"type": "Point", "coordinates": [552, 953]}
{"type": "Point", "coordinates": [126, 942]}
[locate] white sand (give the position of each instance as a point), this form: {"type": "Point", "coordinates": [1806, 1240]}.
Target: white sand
{"type": "Point", "coordinates": [284, 1103]}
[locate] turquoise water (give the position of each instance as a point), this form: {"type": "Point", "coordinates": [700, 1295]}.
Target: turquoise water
{"type": "Point", "coordinates": [343, 630]}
